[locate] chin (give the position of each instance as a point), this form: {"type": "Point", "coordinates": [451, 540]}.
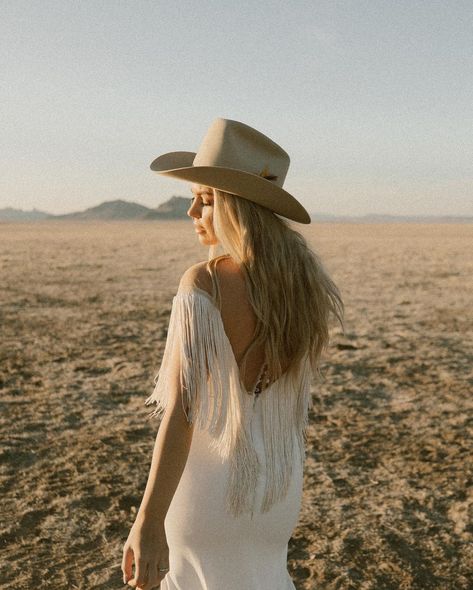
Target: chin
{"type": "Point", "coordinates": [206, 240]}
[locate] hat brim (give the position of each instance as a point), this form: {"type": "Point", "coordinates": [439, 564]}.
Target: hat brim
{"type": "Point", "coordinates": [237, 182]}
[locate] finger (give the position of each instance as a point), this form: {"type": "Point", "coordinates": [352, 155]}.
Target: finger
{"type": "Point", "coordinates": [127, 562]}
{"type": "Point", "coordinates": [164, 564]}
{"type": "Point", "coordinates": [154, 578]}
{"type": "Point", "coordinates": [141, 572]}
{"type": "Point", "coordinates": [162, 570]}
{"type": "Point", "coordinates": [162, 574]}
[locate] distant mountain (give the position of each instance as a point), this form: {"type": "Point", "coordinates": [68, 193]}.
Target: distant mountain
{"type": "Point", "coordinates": [10, 214]}
{"type": "Point", "coordinates": [109, 210]}
{"type": "Point", "coordinates": [175, 208]}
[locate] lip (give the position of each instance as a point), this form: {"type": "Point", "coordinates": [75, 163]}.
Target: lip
{"type": "Point", "coordinates": [199, 230]}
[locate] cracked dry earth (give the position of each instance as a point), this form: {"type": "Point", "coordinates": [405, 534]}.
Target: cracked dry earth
{"type": "Point", "coordinates": [388, 479]}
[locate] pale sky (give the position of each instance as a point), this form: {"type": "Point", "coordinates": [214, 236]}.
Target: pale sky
{"type": "Point", "coordinates": [372, 99]}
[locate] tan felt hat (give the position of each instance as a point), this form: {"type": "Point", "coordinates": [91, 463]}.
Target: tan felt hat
{"type": "Point", "coordinates": [235, 158]}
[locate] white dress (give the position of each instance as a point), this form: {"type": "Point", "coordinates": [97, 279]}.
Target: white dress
{"type": "Point", "coordinates": [239, 496]}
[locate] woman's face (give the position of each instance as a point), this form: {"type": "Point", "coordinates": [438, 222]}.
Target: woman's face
{"type": "Point", "coordinates": [201, 210]}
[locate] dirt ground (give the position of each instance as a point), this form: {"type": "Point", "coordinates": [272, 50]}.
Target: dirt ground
{"type": "Point", "coordinates": [84, 309]}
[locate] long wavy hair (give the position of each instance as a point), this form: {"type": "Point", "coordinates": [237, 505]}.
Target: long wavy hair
{"type": "Point", "coordinates": [289, 289]}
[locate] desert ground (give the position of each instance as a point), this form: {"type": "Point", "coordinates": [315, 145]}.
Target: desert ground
{"type": "Point", "coordinates": [388, 500]}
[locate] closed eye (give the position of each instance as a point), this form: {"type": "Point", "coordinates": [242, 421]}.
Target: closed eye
{"type": "Point", "coordinates": [192, 199]}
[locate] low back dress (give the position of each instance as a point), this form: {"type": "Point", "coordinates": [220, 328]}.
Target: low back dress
{"type": "Point", "coordinates": [239, 496]}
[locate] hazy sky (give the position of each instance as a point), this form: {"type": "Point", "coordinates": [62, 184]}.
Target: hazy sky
{"type": "Point", "coordinates": [372, 99]}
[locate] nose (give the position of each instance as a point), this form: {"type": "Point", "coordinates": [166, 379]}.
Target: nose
{"type": "Point", "coordinates": [194, 209]}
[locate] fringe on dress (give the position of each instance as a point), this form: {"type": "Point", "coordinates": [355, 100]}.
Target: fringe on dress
{"type": "Point", "coordinates": [213, 398]}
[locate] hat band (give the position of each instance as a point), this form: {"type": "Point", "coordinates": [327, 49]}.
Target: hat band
{"type": "Point", "coordinates": [266, 174]}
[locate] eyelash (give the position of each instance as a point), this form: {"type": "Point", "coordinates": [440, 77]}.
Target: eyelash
{"type": "Point", "coordinates": [204, 204]}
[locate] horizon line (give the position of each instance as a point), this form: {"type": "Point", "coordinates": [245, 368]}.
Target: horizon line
{"type": "Point", "coordinates": [317, 213]}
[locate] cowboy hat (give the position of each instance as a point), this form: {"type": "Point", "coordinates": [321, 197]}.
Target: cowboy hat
{"type": "Point", "coordinates": [235, 158]}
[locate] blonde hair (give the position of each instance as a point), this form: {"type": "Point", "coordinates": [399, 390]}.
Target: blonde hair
{"type": "Point", "coordinates": [291, 293]}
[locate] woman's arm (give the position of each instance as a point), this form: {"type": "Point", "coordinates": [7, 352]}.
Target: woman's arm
{"type": "Point", "coordinates": [170, 453]}
{"type": "Point", "coordinates": [146, 545]}
{"type": "Point", "coordinates": [171, 448]}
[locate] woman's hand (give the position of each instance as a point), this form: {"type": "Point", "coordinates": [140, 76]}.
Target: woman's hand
{"type": "Point", "coordinates": [147, 547]}
{"type": "Point", "coordinates": [146, 544]}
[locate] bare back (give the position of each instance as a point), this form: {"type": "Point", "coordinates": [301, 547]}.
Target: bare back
{"type": "Point", "coordinates": [238, 317]}
{"type": "Point", "coordinates": [239, 320]}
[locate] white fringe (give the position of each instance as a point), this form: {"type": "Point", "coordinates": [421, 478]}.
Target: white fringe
{"type": "Point", "coordinates": [214, 399]}
{"type": "Point", "coordinates": [285, 416]}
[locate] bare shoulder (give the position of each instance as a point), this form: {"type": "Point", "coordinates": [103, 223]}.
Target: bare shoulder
{"type": "Point", "coordinates": [197, 275]}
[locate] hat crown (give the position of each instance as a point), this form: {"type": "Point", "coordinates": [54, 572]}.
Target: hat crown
{"type": "Point", "coordinates": [231, 144]}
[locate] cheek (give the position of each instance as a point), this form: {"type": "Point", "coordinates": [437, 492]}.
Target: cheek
{"type": "Point", "coordinates": [207, 217]}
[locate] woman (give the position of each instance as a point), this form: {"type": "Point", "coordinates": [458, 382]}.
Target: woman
{"type": "Point", "coordinates": [246, 333]}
